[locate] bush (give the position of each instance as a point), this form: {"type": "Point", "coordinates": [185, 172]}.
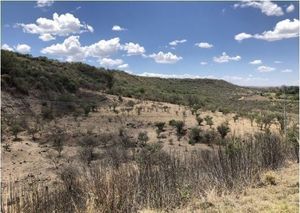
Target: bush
{"type": "Point", "coordinates": [223, 130]}
{"type": "Point", "coordinates": [180, 130]}
{"type": "Point", "coordinates": [16, 129]}
{"type": "Point", "coordinates": [143, 138]}
{"type": "Point", "coordinates": [199, 120]}
{"type": "Point", "coordinates": [160, 127]}
{"type": "Point", "coordinates": [195, 136]}
{"type": "Point", "coordinates": [209, 120]}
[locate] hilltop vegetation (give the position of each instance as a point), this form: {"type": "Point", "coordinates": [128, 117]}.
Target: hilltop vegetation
{"type": "Point", "coordinates": [26, 75]}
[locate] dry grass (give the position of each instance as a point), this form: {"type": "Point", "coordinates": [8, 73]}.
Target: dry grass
{"type": "Point", "coordinates": [264, 197]}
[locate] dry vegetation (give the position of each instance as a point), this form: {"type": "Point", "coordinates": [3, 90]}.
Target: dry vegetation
{"type": "Point", "coordinates": [85, 150]}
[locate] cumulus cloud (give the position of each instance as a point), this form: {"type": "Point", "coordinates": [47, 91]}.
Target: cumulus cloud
{"type": "Point", "coordinates": [255, 62]}
{"type": "Point", "coordinates": [44, 3]}
{"type": "Point", "coordinates": [109, 63]}
{"type": "Point", "coordinates": [175, 42]}
{"type": "Point", "coordinates": [265, 69]}
{"type": "Point", "coordinates": [117, 28]}
{"type": "Point", "coordinates": [104, 48]}
{"type": "Point", "coordinates": [286, 70]}
{"type": "Point", "coordinates": [290, 8]}
{"type": "Point", "coordinates": [72, 50]}
{"type": "Point", "coordinates": [165, 58]}
{"type": "Point", "coordinates": [242, 36]}
{"type": "Point", "coordinates": [203, 62]}
{"type": "Point", "coordinates": [283, 30]}
{"type": "Point", "coordinates": [7, 47]}
{"type": "Point", "coordinates": [277, 62]}
{"type": "Point", "coordinates": [59, 25]}
{"type": "Point", "coordinates": [224, 58]}
{"type": "Point", "coordinates": [23, 48]}
{"type": "Point", "coordinates": [266, 7]}
{"type": "Point", "coordinates": [133, 49]}
{"type": "Point", "coordinates": [204, 45]}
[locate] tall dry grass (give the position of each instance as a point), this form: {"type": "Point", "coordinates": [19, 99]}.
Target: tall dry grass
{"type": "Point", "coordinates": [127, 180]}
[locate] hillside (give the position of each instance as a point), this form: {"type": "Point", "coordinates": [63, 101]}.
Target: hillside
{"type": "Point", "coordinates": [50, 79]}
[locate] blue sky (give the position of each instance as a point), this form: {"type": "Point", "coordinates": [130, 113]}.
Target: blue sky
{"type": "Point", "coordinates": [166, 39]}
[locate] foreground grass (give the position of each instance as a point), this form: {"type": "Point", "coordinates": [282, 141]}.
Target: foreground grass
{"type": "Point", "coordinates": [265, 197]}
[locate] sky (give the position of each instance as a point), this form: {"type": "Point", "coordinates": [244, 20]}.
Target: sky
{"type": "Point", "coordinates": [249, 43]}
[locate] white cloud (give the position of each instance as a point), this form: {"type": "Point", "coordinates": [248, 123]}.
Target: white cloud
{"type": "Point", "coordinates": [117, 28]}
{"type": "Point", "coordinates": [283, 30]}
{"type": "Point", "coordinates": [175, 42]}
{"type": "Point", "coordinates": [203, 62]}
{"type": "Point", "coordinates": [277, 62]}
{"type": "Point", "coordinates": [242, 36]}
{"type": "Point", "coordinates": [204, 45]}
{"type": "Point", "coordinates": [133, 49]}
{"type": "Point", "coordinates": [287, 71]}
{"type": "Point", "coordinates": [108, 62]}
{"type": "Point", "coordinates": [104, 48]}
{"type": "Point", "coordinates": [180, 76]}
{"type": "Point", "coordinates": [254, 62]}
{"type": "Point", "coordinates": [71, 49]}
{"type": "Point", "coordinates": [23, 48]}
{"type": "Point", "coordinates": [44, 3]}
{"type": "Point", "coordinates": [7, 47]}
{"type": "Point", "coordinates": [123, 66]}
{"type": "Point", "coordinates": [290, 8]}
{"type": "Point", "coordinates": [267, 7]}
{"type": "Point", "coordinates": [265, 69]}
{"type": "Point", "coordinates": [59, 25]}
{"type": "Point", "coordinates": [249, 80]}
{"type": "Point", "coordinates": [46, 37]}
{"type": "Point", "coordinates": [224, 58]}
{"type": "Point", "coordinates": [165, 58]}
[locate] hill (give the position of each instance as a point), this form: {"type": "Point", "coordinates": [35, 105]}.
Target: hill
{"type": "Point", "coordinates": [50, 79]}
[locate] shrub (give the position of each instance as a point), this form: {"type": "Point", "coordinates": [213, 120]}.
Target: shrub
{"type": "Point", "coordinates": [209, 120]}
{"type": "Point", "coordinates": [235, 118]}
{"type": "Point", "coordinates": [88, 143]}
{"type": "Point", "coordinates": [87, 109]}
{"type": "Point", "coordinates": [58, 141]}
{"type": "Point", "coordinates": [130, 103]}
{"type": "Point", "coordinates": [195, 136]}
{"type": "Point", "coordinates": [180, 130]}
{"type": "Point", "coordinates": [210, 136]}
{"type": "Point", "coordinates": [16, 129]}
{"type": "Point", "coordinates": [160, 127]}
{"type": "Point", "coordinates": [223, 130]}
{"type": "Point", "coordinates": [172, 123]}
{"type": "Point", "coordinates": [199, 120]}
{"type": "Point", "coordinates": [293, 139]}
{"type": "Point", "coordinates": [143, 138]}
